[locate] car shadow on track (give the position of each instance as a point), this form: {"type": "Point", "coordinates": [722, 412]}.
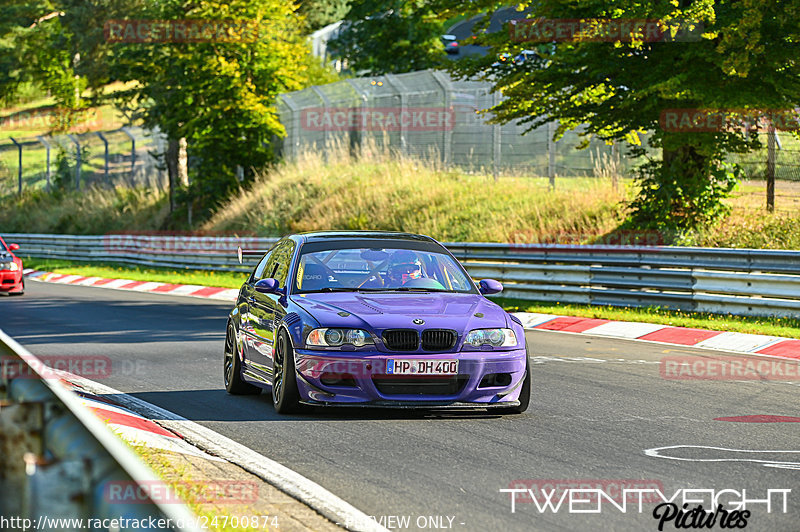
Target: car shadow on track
{"type": "Point", "coordinates": [217, 405]}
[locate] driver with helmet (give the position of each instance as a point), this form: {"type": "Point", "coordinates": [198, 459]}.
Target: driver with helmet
{"type": "Point", "coordinates": [403, 266]}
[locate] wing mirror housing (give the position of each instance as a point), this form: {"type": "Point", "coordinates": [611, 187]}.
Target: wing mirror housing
{"type": "Point", "coordinates": [269, 286]}
{"type": "Point", "coordinates": [490, 286]}
{"type": "Point", "coordinates": [13, 247]}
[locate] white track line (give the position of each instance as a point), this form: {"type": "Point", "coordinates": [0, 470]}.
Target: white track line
{"type": "Point", "coordinates": [308, 492]}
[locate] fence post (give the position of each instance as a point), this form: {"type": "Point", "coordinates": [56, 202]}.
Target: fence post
{"type": "Point", "coordinates": [133, 153]}
{"type": "Point", "coordinates": [551, 154]}
{"type": "Point", "coordinates": [326, 132]}
{"type": "Point", "coordinates": [496, 133]}
{"type": "Point", "coordinates": [47, 152]}
{"type": "Point", "coordinates": [771, 167]}
{"type": "Point", "coordinates": [77, 161]}
{"type": "Point", "coordinates": [401, 94]}
{"type": "Point", "coordinates": [19, 169]}
{"type": "Point", "coordinates": [361, 131]}
{"type": "Point", "coordinates": [105, 143]}
{"type": "Point", "coordinates": [293, 136]}
{"type": "Point", "coordinates": [447, 140]}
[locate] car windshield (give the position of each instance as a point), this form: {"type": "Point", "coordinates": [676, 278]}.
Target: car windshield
{"type": "Point", "coordinates": [379, 269]}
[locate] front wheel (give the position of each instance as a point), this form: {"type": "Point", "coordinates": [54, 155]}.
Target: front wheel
{"type": "Point", "coordinates": [232, 368]}
{"type": "Point", "coordinates": [285, 395]}
{"type": "Point", "coordinates": [524, 394]}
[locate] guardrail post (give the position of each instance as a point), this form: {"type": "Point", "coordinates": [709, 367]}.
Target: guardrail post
{"type": "Point", "coordinates": [19, 170]}
{"type": "Point", "coordinates": [105, 144]}
{"type": "Point", "coordinates": [77, 161]}
{"type": "Point", "coordinates": [47, 151]}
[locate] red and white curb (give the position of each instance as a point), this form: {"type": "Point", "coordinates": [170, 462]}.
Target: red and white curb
{"type": "Point", "coordinates": [665, 334]}
{"type": "Point", "coordinates": [206, 292]}
{"type": "Point", "coordinates": [128, 415]}
{"type": "Point", "coordinates": [134, 429]}
{"type": "Point", "coordinates": [650, 332]}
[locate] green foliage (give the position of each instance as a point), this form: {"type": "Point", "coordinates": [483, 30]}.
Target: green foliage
{"type": "Point", "coordinates": [220, 96]}
{"type": "Point", "coordinates": [390, 36]}
{"type": "Point", "coordinates": [320, 13]}
{"type": "Point", "coordinates": [746, 58]}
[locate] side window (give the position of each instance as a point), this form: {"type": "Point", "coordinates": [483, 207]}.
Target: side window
{"type": "Point", "coordinates": [278, 264]}
{"type": "Point", "coordinates": [258, 273]}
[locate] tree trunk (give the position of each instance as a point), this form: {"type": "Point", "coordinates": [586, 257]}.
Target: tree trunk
{"type": "Point", "coordinates": [172, 170]}
{"type": "Point", "coordinates": [177, 168]}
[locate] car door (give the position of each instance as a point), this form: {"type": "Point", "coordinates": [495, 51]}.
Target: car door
{"type": "Point", "coordinates": [265, 310]}
{"type": "Point", "coordinates": [250, 339]}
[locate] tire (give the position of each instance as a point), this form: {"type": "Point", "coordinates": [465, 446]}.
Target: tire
{"type": "Point", "coordinates": [232, 367]}
{"type": "Point", "coordinates": [524, 394]}
{"type": "Point", "coordinates": [285, 395]}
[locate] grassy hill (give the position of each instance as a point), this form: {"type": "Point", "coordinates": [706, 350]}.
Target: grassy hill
{"type": "Point", "coordinates": [391, 193]}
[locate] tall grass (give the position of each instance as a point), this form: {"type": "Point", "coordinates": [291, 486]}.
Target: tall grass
{"type": "Point", "coordinates": [92, 211]}
{"type": "Point", "coordinates": [385, 191]}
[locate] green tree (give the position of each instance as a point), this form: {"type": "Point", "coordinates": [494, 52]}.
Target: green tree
{"type": "Point", "coordinates": [745, 58]}
{"type": "Point", "coordinates": [320, 13]}
{"type": "Point", "coordinates": [390, 36]}
{"type": "Point", "coordinates": [218, 95]}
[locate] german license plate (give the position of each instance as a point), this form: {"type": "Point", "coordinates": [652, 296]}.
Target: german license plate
{"type": "Point", "coordinates": [407, 366]}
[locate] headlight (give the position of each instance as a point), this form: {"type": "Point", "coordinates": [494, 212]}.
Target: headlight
{"type": "Point", "coordinates": [12, 266]}
{"type": "Point", "coordinates": [337, 337]}
{"type": "Point", "coordinates": [493, 337]}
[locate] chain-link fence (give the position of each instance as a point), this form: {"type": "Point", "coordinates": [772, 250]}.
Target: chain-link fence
{"type": "Point", "coordinates": [787, 158]}
{"type": "Point", "coordinates": [127, 157]}
{"type": "Point", "coordinates": [428, 114]}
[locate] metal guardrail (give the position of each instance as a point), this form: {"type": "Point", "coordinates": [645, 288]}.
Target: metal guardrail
{"type": "Point", "coordinates": [738, 281]}
{"type": "Point", "coordinates": [58, 461]}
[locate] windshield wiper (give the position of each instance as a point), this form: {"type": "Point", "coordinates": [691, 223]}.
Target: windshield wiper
{"type": "Point", "coordinates": [411, 289]}
{"type": "Point", "coordinates": [341, 289]}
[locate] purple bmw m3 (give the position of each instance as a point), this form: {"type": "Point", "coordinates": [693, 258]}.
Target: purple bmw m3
{"type": "Point", "coordinates": [374, 319]}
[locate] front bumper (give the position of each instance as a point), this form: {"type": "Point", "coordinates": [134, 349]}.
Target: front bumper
{"type": "Point", "coordinates": [10, 281]}
{"type": "Point", "coordinates": [365, 382]}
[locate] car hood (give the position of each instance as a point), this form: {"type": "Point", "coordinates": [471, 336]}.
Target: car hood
{"type": "Point", "coordinates": [460, 312]}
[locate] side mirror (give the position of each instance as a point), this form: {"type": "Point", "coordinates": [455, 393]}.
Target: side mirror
{"type": "Point", "coordinates": [13, 247]}
{"type": "Point", "coordinates": [490, 286]}
{"type": "Point", "coordinates": [269, 286]}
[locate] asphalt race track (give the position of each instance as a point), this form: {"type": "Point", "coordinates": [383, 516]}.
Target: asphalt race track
{"type": "Point", "coordinates": [598, 404]}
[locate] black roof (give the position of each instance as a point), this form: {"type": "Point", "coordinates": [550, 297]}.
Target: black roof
{"type": "Point", "coordinates": [321, 236]}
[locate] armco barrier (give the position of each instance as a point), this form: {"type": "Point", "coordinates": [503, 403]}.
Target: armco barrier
{"type": "Point", "coordinates": [57, 458]}
{"type": "Point", "coordinates": [739, 281]}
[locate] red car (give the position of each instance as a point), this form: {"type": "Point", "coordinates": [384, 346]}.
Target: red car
{"type": "Point", "coordinates": [11, 280]}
